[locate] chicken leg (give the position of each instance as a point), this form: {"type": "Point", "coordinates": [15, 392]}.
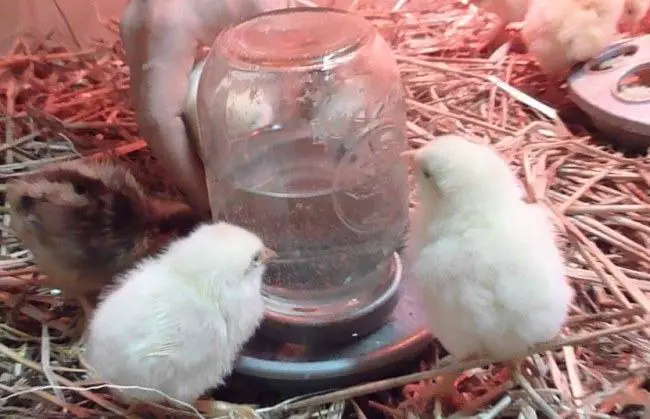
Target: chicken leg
{"type": "Point", "coordinates": [473, 405]}
{"type": "Point", "coordinates": [513, 371]}
{"type": "Point", "coordinates": [444, 388]}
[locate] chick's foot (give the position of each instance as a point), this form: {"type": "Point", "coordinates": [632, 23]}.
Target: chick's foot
{"type": "Point", "coordinates": [445, 389]}
{"type": "Point", "coordinates": [500, 383]}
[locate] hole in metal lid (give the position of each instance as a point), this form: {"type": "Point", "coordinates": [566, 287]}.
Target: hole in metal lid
{"type": "Point", "coordinates": [634, 85]}
{"type": "Point", "coordinates": [612, 58]}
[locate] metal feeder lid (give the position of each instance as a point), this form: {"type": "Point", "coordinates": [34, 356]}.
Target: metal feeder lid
{"type": "Point", "coordinates": [605, 89]}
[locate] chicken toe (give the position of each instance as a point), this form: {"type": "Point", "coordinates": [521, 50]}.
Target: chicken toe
{"type": "Point", "coordinates": [444, 388]}
{"type": "Point", "coordinates": [472, 406]}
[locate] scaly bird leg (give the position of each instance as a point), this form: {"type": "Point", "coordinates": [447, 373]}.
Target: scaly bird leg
{"type": "Point", "coordinates": [473, 405]}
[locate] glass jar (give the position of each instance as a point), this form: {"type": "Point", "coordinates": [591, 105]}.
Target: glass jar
{"type": "Point", "coordinates": [302, 119]}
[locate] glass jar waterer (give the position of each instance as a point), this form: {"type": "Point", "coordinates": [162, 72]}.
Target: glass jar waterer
{"type": "Point", "coordinates": [301, 118]}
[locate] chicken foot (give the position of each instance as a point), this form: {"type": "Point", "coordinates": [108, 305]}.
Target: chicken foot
{"type": "Point", "coordinates": [472, 406]}
{"type": "Point", "coordinates": [444, 388]}
{"type": "Point", "coordinates": [512, 372]}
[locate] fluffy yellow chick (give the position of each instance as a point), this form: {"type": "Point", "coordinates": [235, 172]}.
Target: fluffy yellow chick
{"type": "Point", "coordinates": [561, 34]}
{"type": "Point", "coordinates": [491, 276]}
{"type": "Point", "coordinates": [177, 322]}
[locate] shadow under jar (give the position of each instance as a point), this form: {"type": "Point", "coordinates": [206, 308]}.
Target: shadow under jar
{"type": "Point", "coordinates": [302, 118]}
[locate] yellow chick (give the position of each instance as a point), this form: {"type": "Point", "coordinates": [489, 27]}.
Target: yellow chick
{"type": "Point", "coordinates": [491, 277]}
{"type": "Point", "coordinates": [177, 321]}
{"type": "Point", "coordinates": [562, 34]}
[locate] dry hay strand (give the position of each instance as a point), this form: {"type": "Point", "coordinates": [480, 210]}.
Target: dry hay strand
{"type": "Point", "coordinates": [59, 105]}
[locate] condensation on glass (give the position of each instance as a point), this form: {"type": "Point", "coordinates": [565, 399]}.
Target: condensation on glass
{"type": "Point", "coordinates": [302, 119]}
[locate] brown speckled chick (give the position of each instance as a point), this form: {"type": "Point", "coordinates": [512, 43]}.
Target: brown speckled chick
{"type": "Point", "coordinates": [87, 221]}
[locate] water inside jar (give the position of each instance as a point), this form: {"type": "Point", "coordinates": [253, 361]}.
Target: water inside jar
{"type": "Point", "coordinates": [286, 192]}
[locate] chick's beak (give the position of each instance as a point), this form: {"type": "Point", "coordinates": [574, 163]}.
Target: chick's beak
{"type": "Point", "coordinates": [268, 255]}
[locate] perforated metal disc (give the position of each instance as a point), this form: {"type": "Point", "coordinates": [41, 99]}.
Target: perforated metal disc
{"type": "Point", "coordinates": [602, 89]}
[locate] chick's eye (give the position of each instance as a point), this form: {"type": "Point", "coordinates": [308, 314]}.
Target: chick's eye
{"type": "Point", "coordinates": [426, 174]}
{"type": "Point", "coordinates": [79, 189]}
{"type": "Point", "coordinates": [257, 257]}
{"type": "Point", "coordinates": [26, 202]}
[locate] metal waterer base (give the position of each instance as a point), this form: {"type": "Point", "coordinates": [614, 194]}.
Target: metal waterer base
{"type": "Point", "coordinates": [291, 368]}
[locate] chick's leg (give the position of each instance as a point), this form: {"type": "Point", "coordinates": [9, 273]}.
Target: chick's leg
{"type": "Point", "coordinates": [444, 388]}
{"type": "Point", "coordinates": [472, 406]}
{"type": "Point", "coordinates": [513, 369]}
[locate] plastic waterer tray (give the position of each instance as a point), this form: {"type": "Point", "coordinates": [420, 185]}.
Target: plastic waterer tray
{"type": "Point", "coordinates": [614, 90]}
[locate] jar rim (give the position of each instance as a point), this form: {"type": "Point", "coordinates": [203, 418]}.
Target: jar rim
{"type": "Point", "coordinates": [294, 38]}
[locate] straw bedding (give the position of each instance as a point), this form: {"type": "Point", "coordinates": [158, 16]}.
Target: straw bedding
{"type": "Point", "coordinates": [57, 105]}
